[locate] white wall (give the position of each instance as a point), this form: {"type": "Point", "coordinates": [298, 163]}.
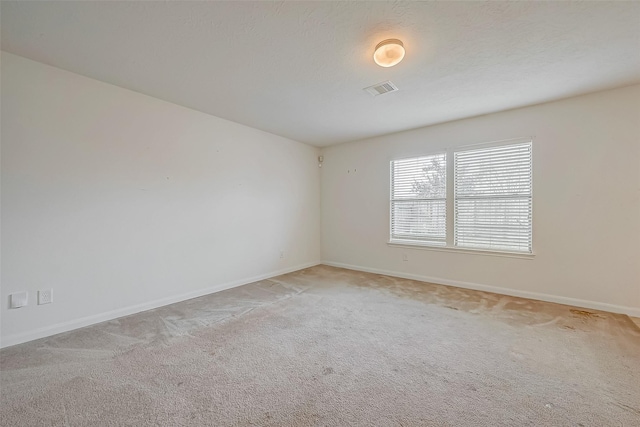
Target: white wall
{"type": "Point", "coordinates": [586, 203]}
{"type": "Point", "coordinates": [121, 202]}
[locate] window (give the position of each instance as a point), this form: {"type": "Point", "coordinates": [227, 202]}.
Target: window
{"type": "Point", "coordinates": [418, 199]}
{"type": "Point", "coordinates": [493, 198]}
{"type": "Point", "coordinates": [488, 196]}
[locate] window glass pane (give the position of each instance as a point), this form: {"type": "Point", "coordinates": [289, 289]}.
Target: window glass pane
{"type": "Point", "coordinates": [419, 220]}
{"type": "Point", "coordinates": [502, 224]}
{"type": "Point", "coordinates": [421, 177]}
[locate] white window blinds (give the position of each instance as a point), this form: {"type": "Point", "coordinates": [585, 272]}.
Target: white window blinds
{"type": "Point", "coordinates": [418, 199]}
{"type": "Point", "coordinates": [492, 204]}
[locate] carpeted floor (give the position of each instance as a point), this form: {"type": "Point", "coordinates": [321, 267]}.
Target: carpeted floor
{"type": "Point", "coordinates": [332, 347]}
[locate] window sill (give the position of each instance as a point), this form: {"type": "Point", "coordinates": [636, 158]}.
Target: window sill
{"type": "Point", "coordinates": [416, 245]}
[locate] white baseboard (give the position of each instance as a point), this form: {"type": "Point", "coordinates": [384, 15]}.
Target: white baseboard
{"type": "Point", "coordinates": [125, 311]}
{"type": "Point", "coordinates": [630, 311]}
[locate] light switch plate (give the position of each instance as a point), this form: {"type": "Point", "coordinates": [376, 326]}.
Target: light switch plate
{"type": "Point", "coordinates": [19, 299]}
{"type": "Point", "coordinates": [45, 296]}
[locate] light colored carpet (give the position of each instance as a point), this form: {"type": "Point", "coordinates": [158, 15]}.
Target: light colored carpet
{"type": "Point", "coordinates": [332, 347]}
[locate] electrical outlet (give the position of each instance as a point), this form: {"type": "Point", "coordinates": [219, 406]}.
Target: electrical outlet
{"type": "Point", "coordinates": [405, 257]}
{"type": "Point", "coordinates": [45, 296]}
{"type": "Point", "coordinates": [281, 254]}
{"type": "Point", "coordinates": [19, 299]}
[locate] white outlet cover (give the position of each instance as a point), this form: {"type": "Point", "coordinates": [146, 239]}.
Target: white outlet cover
{"type": "Point", "coordinates": [45, 296]}
{"type": "Point", "coordinates": [19, 299]}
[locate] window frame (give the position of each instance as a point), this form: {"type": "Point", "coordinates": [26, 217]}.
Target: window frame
{"type": "Point", "coordinates": [450, 204]}
{"type": "Point", "coordinates": [446, 206]}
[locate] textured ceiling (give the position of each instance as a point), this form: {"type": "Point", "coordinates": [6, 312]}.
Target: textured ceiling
{"type": "Point", "coordinates": [297, 69]}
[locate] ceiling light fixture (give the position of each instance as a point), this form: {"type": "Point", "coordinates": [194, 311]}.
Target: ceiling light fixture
{"type": "Point", "coordinates": [388, 52]}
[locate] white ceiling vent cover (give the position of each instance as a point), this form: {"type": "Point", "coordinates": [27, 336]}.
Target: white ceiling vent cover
{"type": "Point", "coordinates": [381, 88]}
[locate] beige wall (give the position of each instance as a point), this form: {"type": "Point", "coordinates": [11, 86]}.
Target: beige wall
{"type": "Point", "coordinates": [121, 202]}
{"type": "Point", "coordinates": [586, 203]}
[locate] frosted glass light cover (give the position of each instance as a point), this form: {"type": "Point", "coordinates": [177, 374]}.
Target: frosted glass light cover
{"type": "Point", "coordinates": [389, 53]}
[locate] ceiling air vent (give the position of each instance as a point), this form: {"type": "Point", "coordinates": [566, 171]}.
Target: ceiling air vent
{"type": "Point", "coordinates": [381, 88]}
